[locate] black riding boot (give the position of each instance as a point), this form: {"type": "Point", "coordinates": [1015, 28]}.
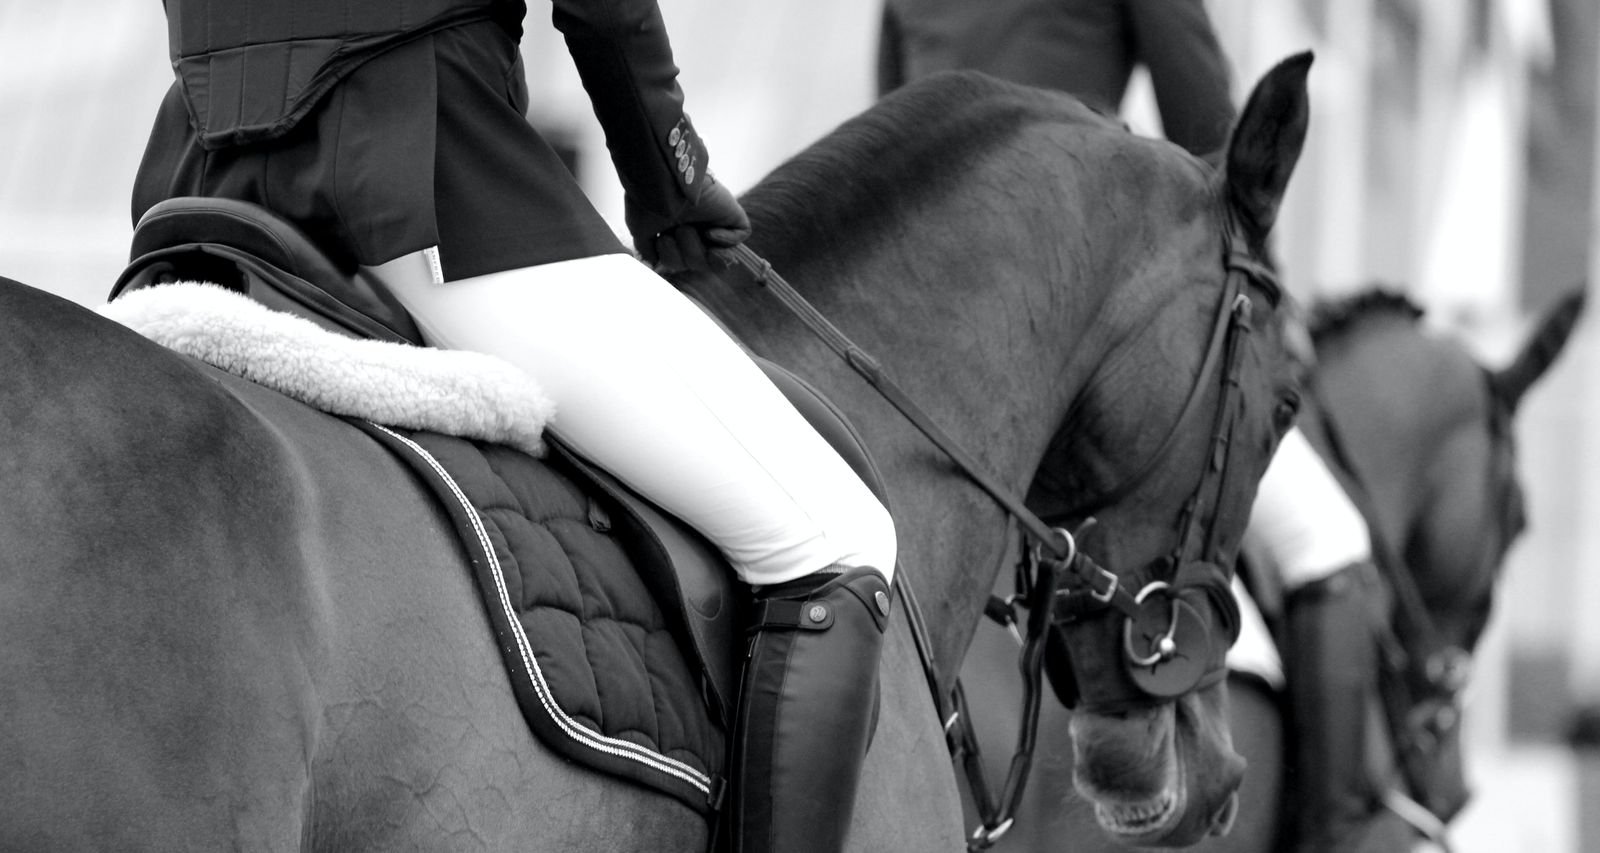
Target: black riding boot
{"type": "Point", "coordinates": [1331, 665]}
{"type": "Point", "coordinates": [806, 710]}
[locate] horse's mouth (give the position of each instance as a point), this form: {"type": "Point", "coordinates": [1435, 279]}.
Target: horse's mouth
{"type": "Point", "coordinates": [1149, 819]}
{"type": "Point", "coordinates": [1143, 814]}
{"type": "Point", "coordinates": [1157, 812]}
{"type": "Point", "coordinates": [1149, 823]}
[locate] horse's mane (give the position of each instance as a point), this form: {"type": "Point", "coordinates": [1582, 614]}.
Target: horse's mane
{"type": "Point", "coordinates": [1332, 318]}
{"type": "Point", "coordinates": [905, 150]}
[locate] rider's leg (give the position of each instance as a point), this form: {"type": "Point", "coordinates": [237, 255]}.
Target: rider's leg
{"type": "Point", "coordinates": [656, 393]}
{"type": "Point", "coordinates": [1305, 524]}
{"type": "Point", "coordinates": [807, 708]}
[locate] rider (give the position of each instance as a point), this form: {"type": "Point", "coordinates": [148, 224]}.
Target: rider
{"type": "Point", "coordinates": [1086, 47]}
{"type": "Point", "coordinates": [1303, 524]}
{"type": "Point", "coordinates": [394, 136]}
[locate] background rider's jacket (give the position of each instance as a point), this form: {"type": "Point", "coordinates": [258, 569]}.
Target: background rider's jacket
{"type": "Point", "coordinates": [1086, 47]}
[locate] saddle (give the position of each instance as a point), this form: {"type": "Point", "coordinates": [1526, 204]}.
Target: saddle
{"type": "Point", "coordinates": [577, 684]}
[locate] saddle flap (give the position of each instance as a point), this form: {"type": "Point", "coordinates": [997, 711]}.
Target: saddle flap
{"type": "Point", "coordinates": [694, 585]}
{"type": "Point", "coordinates": [247, 248]}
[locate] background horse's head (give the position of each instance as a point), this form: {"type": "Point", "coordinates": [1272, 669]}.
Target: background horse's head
{"type": "Point", "coordinates": [1425, 435]}
{"type": "Point", "coordinates": [1170, 485]}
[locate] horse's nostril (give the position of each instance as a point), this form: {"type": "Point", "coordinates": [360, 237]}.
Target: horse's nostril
{"type": "Point", "coordinates": [1222, 821]}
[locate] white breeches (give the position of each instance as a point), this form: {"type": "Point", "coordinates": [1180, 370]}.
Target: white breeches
{"type": "Point", "coordinates": [1302, 520]}
{"type": "Point", "coordinates": [652, 390]}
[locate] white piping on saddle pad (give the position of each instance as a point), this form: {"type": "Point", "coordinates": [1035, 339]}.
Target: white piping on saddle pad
{"type": "Point", "coordinates": [454, 392]}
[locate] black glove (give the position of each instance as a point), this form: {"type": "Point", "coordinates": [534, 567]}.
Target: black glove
{"type": "Point", "coordinates": [674, 209]}
{"type": "Point", "coordinates": [679, 242]}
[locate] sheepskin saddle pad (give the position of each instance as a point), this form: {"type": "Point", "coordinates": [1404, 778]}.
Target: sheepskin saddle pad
{"type": "Point", "coordinates": [614, 621]}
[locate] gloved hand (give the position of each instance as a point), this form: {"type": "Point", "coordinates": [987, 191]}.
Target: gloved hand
{"type": "Point", "coordinates": [679, 243]}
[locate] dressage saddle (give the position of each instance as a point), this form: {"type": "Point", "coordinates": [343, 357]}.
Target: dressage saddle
{"type": "Point", "coordinates": [251, 250]}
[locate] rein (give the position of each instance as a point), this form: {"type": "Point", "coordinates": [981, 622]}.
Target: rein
{"type": "Point", "coordinates": [1086, 584]}
{"type": "Point", "coordinates": [1056, 540]}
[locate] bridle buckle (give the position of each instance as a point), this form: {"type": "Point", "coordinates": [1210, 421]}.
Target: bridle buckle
{"type": "Point", "coordinates": [1112, 583]}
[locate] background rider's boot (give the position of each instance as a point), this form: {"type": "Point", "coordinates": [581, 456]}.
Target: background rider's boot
{"type": "Point", "coordinates": [1331, 665]}
{"type": "Point", "coordinates": [806, 710]}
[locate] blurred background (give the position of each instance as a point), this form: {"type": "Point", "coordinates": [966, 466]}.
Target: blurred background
{"type": "Point", "coordinates": [1451, 155]}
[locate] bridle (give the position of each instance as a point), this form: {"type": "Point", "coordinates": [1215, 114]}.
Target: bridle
{"type": "Point", "coordinates": [1168, 641]}
{"type": "Point", "coordinates": [1169, 647]}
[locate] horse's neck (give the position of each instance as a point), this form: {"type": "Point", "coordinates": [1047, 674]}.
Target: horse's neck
{"type": "Point", "coordinates": [981, 358]}
{"type": "Point", "coordinates": [1397, 395]}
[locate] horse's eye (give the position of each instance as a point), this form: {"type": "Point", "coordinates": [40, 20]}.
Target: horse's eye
{"type": "Point", "coordinates": [1287, 409]}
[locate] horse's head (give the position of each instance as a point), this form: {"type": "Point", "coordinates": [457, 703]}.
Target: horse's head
{"type": "Point", "coordinates": [1472, 511]}
{"type": "Point", "coordinates": [1164, 450]}
{"type": "Point", "coordinates": [1426, 434]}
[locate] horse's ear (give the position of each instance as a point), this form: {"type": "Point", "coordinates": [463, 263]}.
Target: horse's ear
{"type": "Point", "coordinates": [1265, 145]}
{"type": "Point", "coordinates": [1540, 350]}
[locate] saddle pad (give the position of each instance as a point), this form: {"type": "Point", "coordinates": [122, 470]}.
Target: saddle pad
{"type": "Point", "coordinates": [447, 391]}
{"type": "Point", "coordinates": [599, 671]}
{"type": "Point", "coordinates": [596, 667]}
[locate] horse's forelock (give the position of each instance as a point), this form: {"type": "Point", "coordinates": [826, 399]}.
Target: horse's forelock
{"type": "Point", "coordinates": [912, 146]}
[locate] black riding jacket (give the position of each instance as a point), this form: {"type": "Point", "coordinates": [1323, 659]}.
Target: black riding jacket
{"type": "Point", "coordinates": [249, 73]}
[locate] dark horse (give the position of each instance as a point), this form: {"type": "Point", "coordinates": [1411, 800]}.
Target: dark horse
{"type": "Point", "coordinates": [1425, 433]}
{"type": "Point", "coordinates": [231, 621]}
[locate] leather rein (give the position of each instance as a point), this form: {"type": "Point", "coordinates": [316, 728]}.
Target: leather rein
{"type": "Point", "coordinates": [1059, 578]}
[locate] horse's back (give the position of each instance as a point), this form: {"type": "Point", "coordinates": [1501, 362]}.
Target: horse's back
{"type": "Point", "coordinates": [231, 620]}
